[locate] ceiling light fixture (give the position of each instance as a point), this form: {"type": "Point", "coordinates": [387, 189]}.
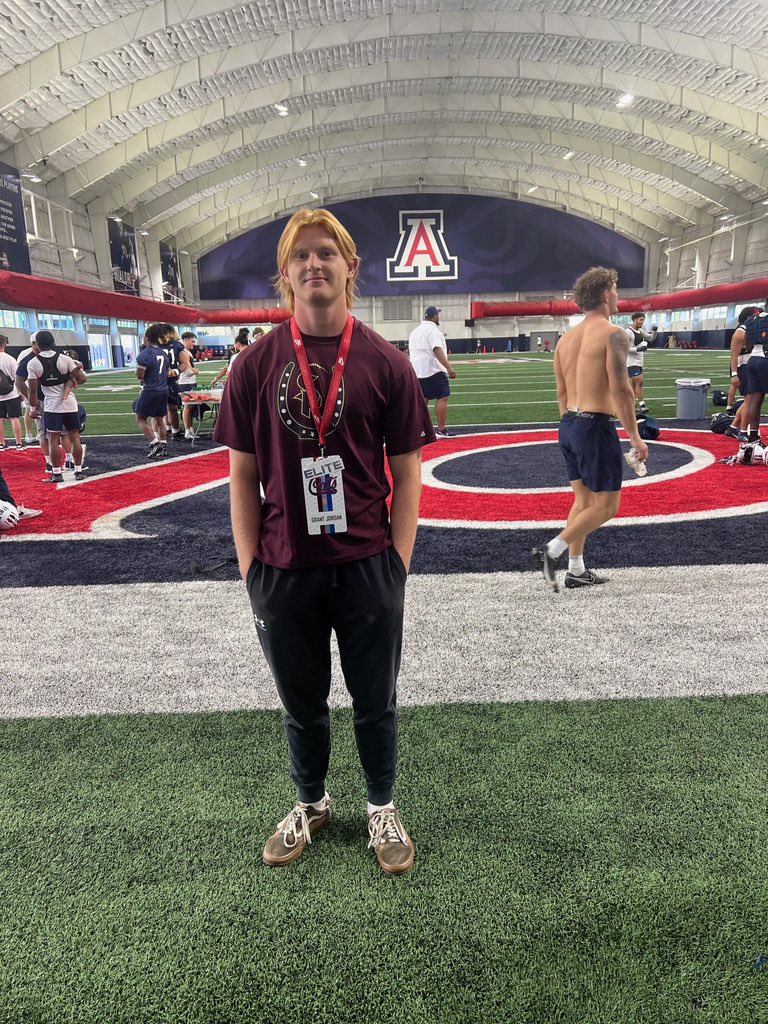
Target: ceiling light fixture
{"type": "Point", "coordinates": [143, 232]}
{"type": "Point", "coordinates": [533, 188]}
{"type": "Point", "coordinates": [569, 154]}
{"type": "Point", "coordinates": [301, 161]}
{"type": "Point", "coordinates": [281, 109]}
{"type": "Point", "coordinates": [315, 195]}
{"type": "Point", "coordinates": [118, 220]}
{"type": "Point", "coordinates": [725, 216]}
{"type": "Point", "coordinates": [626, 100]}
{"type": "Point", "coordinates": [183, 252]}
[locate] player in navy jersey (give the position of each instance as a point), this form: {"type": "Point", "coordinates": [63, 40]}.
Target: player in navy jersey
{"type": "Point", "coordinates": [174, 347]}
{"type": "Point", "coordinates": [152, 365]}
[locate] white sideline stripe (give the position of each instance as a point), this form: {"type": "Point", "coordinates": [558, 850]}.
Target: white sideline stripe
{"type": "Point", "coordinates": [700, 459]}
{"type": "Point", "coordinates": [517, 641]}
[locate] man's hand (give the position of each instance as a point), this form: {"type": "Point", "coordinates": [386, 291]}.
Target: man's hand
{"type": "Point", "coordinates": [451, 373]}
{"type": "Point", "coordinates": [641, 449]}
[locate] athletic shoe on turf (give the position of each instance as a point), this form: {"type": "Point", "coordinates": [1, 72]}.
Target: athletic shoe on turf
{"type": "Point", "coordinates": [735, 432]}
{"type": "Point", "coordinates": [394, 847]}
{"type": "Point", "coordinates": [443, 433]}
{"type": "Point", "coordinates": [31, 442]}
{"type": "Point", "coordinates": [54, 478]}
{"type": "Point", "coordinates": [548, 566]}
{"type": "Point", "coordinates": [79, 474]}
{"type": "Point", "coordinates": [583, 579]}
{"type": "Point", "coordinates": [29, 513]}
{"type": "Point", "coordinates": [154, 450]}
{"type": "Point", "coordinates": [295, 832]}
{"type": "Point", "coordinates": [177, 435]}
{"type": "Point", "coordinates": [642, 407]}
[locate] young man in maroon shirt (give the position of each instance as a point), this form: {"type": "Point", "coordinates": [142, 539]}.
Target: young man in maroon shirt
{"type": "Point", "coordinates": [307, 414]}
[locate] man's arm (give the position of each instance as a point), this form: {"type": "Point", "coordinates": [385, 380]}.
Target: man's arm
{"type": "Point", "coordinates": [222, 373]}
{"type": "Point", "coordinates": [78, 375]}
{"type": "Point", "coordinates": [245, 506]}
{"type": "Point", "coordinates": [621, 391]}
{"type": "Point", "coordinates": [140, 371]}
{"type": "Point", "coordinates": [21, 387]}
{"type": "Point", "coordinates": [562, 395]}
{"type": "Point", "coordinates": [404, 511]}
{"type": "Point", "coordinates": [33, 400]}
{"type": "Point", "coordinates": [737, 344]}
{"type": "Point", "coordinates": [443, 358]}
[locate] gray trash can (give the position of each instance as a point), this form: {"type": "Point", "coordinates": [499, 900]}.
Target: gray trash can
{"type": "Point", "coordinates": [692, 398]}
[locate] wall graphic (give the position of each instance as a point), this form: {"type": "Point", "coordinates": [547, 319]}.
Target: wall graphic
{"type": "Point", "coordinates": [171, 271]}
{"type": "Point", "coordinates": [439, 244]}
{"type": "Point", "coordinates": [14, 251]}
{"type": "Point", "coordinates": [125, 261]}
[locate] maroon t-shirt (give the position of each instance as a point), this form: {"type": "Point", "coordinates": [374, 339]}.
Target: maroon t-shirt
{"type": "Point", "coordinates": [265, 410]}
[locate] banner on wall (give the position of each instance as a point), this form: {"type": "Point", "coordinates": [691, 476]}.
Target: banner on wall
{"type": "Point", "coordinates": [439, 244]}
{"type": "Point", "coordinates": [171, 271]}
{"type": "Point", "coordinates": [124, 256]}
{"type": "Point", "coordinates": [14, 251]}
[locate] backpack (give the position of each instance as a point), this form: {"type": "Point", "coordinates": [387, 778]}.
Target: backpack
{"type": "Point", "coordinates": [756, 332]}
{"type": "Point", "coordinates": [648, 428]}
{"type": "Point", "coordinates": [720, 423]}
{"type": "Point", "coordinates": [6, 383]}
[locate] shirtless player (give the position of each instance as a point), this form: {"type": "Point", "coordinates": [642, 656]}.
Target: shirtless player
{"type": "Point", "coordinates": [592, 387]}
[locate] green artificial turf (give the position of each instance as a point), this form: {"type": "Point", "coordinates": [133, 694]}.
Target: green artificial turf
{"type": "Point", "coordinates": [593, 863]}
{"type": "Point", "coordinates": [493, 388]}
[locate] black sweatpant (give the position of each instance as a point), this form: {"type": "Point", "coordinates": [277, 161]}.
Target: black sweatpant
{"type": "Point", "coordinates": [294, 611]}
{"type": "Point", "coordinates": [5, 493]}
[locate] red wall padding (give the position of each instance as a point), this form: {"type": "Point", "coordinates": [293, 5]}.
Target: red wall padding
{"type": "Point", "coordinates": [715, 295]}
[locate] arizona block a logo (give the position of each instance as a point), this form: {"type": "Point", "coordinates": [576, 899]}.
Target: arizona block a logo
{"type": "Point", "coordinates": [422, 253]}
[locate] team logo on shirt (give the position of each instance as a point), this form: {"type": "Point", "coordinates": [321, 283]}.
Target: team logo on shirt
{"type": "Point", "coordinates": [422, 252]}
{"type": "Point", "coordinates": [293, 400]}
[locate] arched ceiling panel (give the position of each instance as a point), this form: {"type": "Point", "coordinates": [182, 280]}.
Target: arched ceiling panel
{"type": "Point", "coordinates": [168, 109]}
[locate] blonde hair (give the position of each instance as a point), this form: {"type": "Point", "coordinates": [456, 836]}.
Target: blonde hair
{"type": "Point", "coordinates": [305, 218]}
{"type": "Point", "coordinates": [588, 290]}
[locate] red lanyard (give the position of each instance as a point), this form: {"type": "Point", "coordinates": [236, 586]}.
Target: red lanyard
{"type": "Point", "coordinates": [323, 423]}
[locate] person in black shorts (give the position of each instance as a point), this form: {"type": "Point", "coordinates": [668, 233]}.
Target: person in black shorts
{"type": "Point", "coordinates": [592, 387]}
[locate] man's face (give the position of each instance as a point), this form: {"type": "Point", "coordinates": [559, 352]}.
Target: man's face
{"type": "Point", "coordinates": [316, 270]}
{"type": "Point", "coordinates": [613, 299]}
{"type": "Point", "coordinates": [638, 322]}
{"type": "Point", "coordinates": [189, 344]}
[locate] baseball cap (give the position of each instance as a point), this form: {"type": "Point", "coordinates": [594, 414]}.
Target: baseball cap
{"type": "Point", "coordinates": [431, 311]}
{"type": "Point", "coordinates": [43, 339]}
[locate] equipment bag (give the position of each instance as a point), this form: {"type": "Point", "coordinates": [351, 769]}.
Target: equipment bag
{"type": "Point", "coordinates": [648, 428]}
{"type": "Point", "coordinates": [6, 383]}
{"type": "Point", "coordinates": [720, 423]}
{"type": "Point", "coordinates": [719, 398]}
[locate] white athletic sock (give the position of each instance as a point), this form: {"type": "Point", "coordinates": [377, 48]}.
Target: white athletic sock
{"type": "Point", "coordinates": [372, 808]}
{"type": "Point", "coordinates": [576, 564]}
{"type": "Point", "coordinates": [319, 805]}
{"type": "Point", "coordinates": [556, 547]}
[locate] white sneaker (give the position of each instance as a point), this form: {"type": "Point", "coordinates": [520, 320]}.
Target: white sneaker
{"type": "Point", "coordinates": [29, 513]}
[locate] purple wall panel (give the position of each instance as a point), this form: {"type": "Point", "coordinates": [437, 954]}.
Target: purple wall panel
{"type": "Point", "coordinates": [439, 245]}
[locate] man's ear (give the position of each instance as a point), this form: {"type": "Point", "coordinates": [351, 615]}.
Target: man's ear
{"type": "Point", "coordinates": [353, 266]}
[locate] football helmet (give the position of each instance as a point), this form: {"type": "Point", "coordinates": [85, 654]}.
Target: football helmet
{"type": "Point", "coordinates": [745, 453]}
{"type": "Point", "coordinates": [9, 515]}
